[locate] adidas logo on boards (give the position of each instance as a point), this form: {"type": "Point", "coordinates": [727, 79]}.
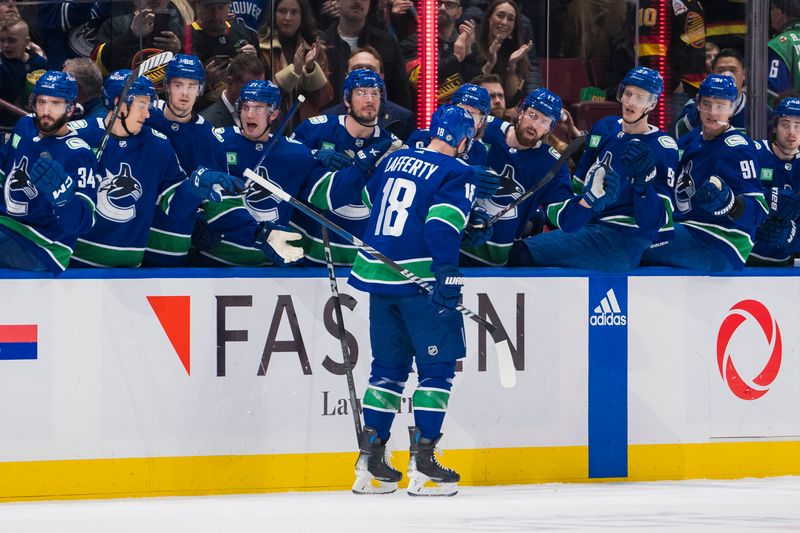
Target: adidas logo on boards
{"type": "Point", "coordinates": [608, 313]}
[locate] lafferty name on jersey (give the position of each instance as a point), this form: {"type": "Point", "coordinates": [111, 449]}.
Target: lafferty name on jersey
{"type": "Point", "coordinates": [412, 165]}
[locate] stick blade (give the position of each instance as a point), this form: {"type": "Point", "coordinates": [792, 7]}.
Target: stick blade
{"type": "Point", "coordinates": [505, 364]}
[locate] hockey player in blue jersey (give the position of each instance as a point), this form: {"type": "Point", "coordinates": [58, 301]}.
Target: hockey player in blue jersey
{"type": "Point", "coordinates": [776, 237]}
{"type": "Point", "coordinates": [625, 203]}
{"type": "Point", "coordinates": [420, 201]}
{"type": "Point", "coordinates": [517, 153]}
{"type": "Point", "coordinates": [196, 146]}
{"type": "Point", "coordinates": [262, 236]}
{"type": "Point", "coordinates": [49, 179]}
{"type": "Point", "coordinates": [139, 173]}
{"type": "Point", "coordinates": [334, 140]}
{"type": "Point", "coordinates": [718, 196]}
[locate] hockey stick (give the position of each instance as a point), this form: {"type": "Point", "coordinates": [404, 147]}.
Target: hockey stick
{"type": "Point", "coordinates": [508, 376]}
{"type": "Point", "coordinates": [280, 127]}
{"type": "Point", "coordinates": [337, 307]}
{"type": "Point", "coordinates": [554, 168]}
{"type": "Point", "coordinates": [151, 63]}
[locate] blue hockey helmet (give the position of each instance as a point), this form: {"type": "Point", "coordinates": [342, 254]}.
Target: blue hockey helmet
{"type": "Point", "coordinates": [788, 107]}
{"type": "Point", "coordinates": [719, 86]}
{"type": "Point", "coordinates": [185, 66]}
{"type": "Point", "coordinates": [546, 102]}
{"type": "Point", "coordinates": [474, 96]}
{"type": "Point", "coordinates": [362, 77]}
{"type": "Point", "coordinates": [260, 91]}
{"type": "Point", "coordinates": [453, 124]}
{"type": "Point", "coordinates": [112, 88]}
{"type": "Point", "coordinates": [57, 84]}
{"type": "Point", "coordinates": [646, 79]}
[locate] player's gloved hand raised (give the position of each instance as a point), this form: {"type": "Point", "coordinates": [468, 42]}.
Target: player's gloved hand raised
{"type": "Point", "coordinates": [280, 244]}
{"type": "Point", "coordinates": [204, 237]}
{"type": "Point", "coordinates": [367, 158]}
{"type": "Point", "coordinates": [641, 168]}
{"type": "Point", "coordinates": [333, 160]}
{"type": "Point", "coordinates": [784, 204]}
{"type": "Point", "coordinates": [715, 197]}
{"type": "Point", "coordinates": [487, 182]}
{"type": "Point", "coordinates": [776, 233]}
{"type": "Point", "coordinates": [50, 179]}
{"type": "Point", "coordinates": [447, 290]}
{"type": "Point", "coordinates": [602, 188]}
{"type": "Point", "coordinates": [209, 184]}
{"type": "Point", "coordinates": [478, 232]}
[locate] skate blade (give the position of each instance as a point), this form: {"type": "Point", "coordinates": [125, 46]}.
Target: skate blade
{"type": "Point", "coordinates": [423, 486]}
{"type": "Point", "coordinates": [366, 484]}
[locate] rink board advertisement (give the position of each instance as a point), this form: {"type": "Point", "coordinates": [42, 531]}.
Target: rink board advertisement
{"type": "Point", "coordinates": [118, 386]}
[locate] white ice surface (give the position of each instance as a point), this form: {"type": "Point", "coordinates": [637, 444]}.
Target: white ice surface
{"type": "Point", "coordinates": [702, 505]}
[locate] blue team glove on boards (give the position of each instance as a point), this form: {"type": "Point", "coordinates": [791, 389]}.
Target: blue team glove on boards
{"type": "Point", "coordinates": [209, 184]}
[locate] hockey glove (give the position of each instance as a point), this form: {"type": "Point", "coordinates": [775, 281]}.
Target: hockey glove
{"type": "Point", "coordinates": [333, 160]}
{"type": "Point", "coordinates": [50, 178]}
{"type": "Point", "coordinates": [209, 184]}
{"type": "Point", "coordinates": [487, 182]}
{"type": "Point", "coordinates": [477, 231]}
{"type": "Point", "coordinates": [717, 200]}
{"type": "Point", "coordinates": [602, 188]}
{"type": "Point", "coordinates": [776, 233]}
{"type": "Point", "coordinates": [367, 158]}
{"type": "Point", "coordinates": [784, 204]}
{"type": "Point", "coordinates": [204, 238]}
{"type": "Point", "coordinates": [447, 291]}
{"type": "Point", "coordinates": [641, 168]}
{"type": "Point", "coordinates": [280, 244]}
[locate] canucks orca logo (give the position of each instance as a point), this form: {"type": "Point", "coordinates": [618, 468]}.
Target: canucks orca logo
{"type": "Point", "coordinates": [117, 195]}
{"type": "Point", "coordinates": [509, 190]}
{"type": "Point", "coordinates": [260, 203]}
{"type": "Point", "coordinates": [19, 190]}
{"type": "Point", "coordinates": [685, 189]}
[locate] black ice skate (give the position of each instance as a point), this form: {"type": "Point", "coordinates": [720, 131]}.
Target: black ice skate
{"type": "Point", "coordinates": [374, 473]}
{"type": "Point", "coordinates": [426, 477]}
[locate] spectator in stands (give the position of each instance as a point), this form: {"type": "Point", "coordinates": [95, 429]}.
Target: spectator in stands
{"type": "Point", "coordinates": [784, 74]}
{"type": "Point", "coordinates": [458, 62]}
{"type": "Point", "coordinates": [69, 29]}
{"type": "Point", "coordinates": [391, 117]}
{"type": "Point", "coordinates": [243, 68]}
{"type": "Point", "coordinates": [502, 50]}
{"type": "Point", "coordinates": [353, 31]}
{"type": "Point", "coordinates": [589, 26]}
{"type": "Point", "coordinates": [123, 36]}
{"type": "Point", "coordinates": [90, 87]}
{"type": "Point", "coordinates": [17, 60]}
{"type": "Point", "coordinates": [8, 6]}
{"type": "Point", "coordinates": [730, 62]}
{"type": "Point", "coordinates": [712, 50]}
{"type": "Point", "coordinates": [251, 14]}
{"type": "Point", "coordinates": [400, 18]}
{"type": "Point", "coordinates": [296, 57]}
{"type": "Point", "coordinates": [493, 84]}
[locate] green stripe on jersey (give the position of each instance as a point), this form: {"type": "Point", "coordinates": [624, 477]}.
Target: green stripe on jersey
{"type": "Point", "coordinates": [365, 198]}
{"type": "Point", "coordinates": [554, 211]}
{"type": "Point", "coordinates": [341, 254]}
{"type": "Point", "coordinates": [59, 253]}
{"type": "Point", "coordinates": [449, 214]}
{"type": "Point", "coordinates": [740, 241]}
{"type": "Point", "coordinates": [621, 220]}
{"type": "Point", "coordinates": [373, 271]}
{"type": "Point", "coordinates": [165, 198]}
{"type": "Point", "coordinates": [237, 255]}
{"type": "Point", "coordinates": [173, 244]}
{"type": "Point", "coordinates": [107, 256]}
{"type": "Point", "coordinates": [427, 399]}
{"type": "Point", "coordinates": [491, 253]}
{"type": "Point", "coordinates": [319, 196]}
{"type": "Point", "coordinates": [215, 210]}
{"type": "Point", "coordinates": [381, 400]}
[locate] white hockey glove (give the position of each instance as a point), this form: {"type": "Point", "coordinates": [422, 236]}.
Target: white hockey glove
{"type": "Point", "coordinates": [280, 244]}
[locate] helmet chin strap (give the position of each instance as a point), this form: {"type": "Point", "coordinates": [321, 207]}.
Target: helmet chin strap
{"type": "Point", "coordinates": [643, 115]}
{"type": "Point", "coordinates": [122, 117]}
{"type": "Point", "coordinates": [172, 110]}
{"type": "Point", "coordinates": [57, 125]}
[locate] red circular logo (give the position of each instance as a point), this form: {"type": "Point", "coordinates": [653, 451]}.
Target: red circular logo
{"type": "Point", "coordinates": [738, 314]}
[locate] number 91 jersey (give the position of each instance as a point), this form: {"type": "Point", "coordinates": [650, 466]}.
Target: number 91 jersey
{"type": "Point", "coordinates": [420, 202]}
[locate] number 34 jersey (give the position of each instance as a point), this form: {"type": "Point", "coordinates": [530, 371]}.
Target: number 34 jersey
{"type": "Point", "coordinates": [420, 201]}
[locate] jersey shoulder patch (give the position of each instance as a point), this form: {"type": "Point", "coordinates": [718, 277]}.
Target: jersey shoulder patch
{"type": "Point", "coordinates": [555, 153]}
{"type": "Point", "coordinates": [667, 142]}
{"type": "Point", "coordinates": [159, 134]}
{"type": "Point", "coordinates": [319, 119]}
{"type": "Point", "coordinates": [736, 140]}
{"type": "Point", "coordinates": [77, 124]}
{"type": "Point", "coordinates": [76, 143]}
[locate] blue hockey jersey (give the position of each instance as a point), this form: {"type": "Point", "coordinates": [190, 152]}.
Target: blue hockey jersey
{"type": "Point", "coordinates": [137, 172]}
{"type": "Point", "coordinates": [28, 216]}
{"type": "Point", "coordinates": [650, 216]}
{"type": "Point", "coordinates": [195, 145]}
{"type": "Point", "coordinates": [478, 153]}
{"type": "Point", "coordinates": [776, 174]}
{"type": "Point", "coordinates": [732, 157]}
{"type": "Point", "coordinates": [420, 202]}
{"type": "Point", "coordinates": [519, 170]}
{"type": "Point", "coordinates": [329, 132]}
